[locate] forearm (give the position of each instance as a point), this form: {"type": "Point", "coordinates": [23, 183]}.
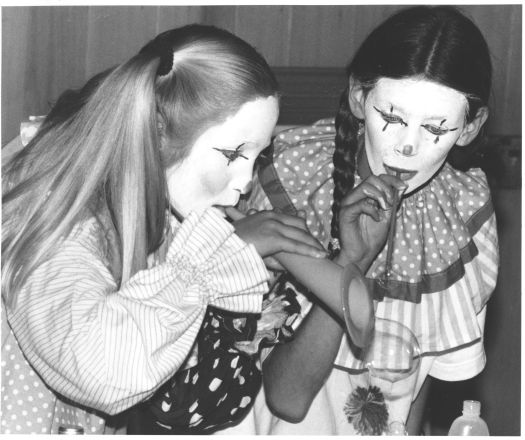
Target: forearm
{"type": "Point", "coordinates": [342, 290]}
{"type": "Point", "coordinates": [102, 351]}
{"type": "Point", "coordinates": [363, 264]}
{"type": "Point", "coordinates": [294, 372]}
{"type": "Point", "coordinates": [321, 276]}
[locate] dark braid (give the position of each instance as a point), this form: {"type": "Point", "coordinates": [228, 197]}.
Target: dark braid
{"type": "Point", "coordinates": [344, 158]}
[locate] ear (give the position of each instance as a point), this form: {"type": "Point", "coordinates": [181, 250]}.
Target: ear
{"type": "Point", "coordinates": [160, 124]}
{"type": "Point", "coordinates": [356, 98]}
{"type": "Point", "coordinates": [161, 130]}
{"type": "Point", "coordinates": [472, 129]}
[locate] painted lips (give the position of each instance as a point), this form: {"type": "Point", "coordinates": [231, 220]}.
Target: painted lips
{"type": "Point", "coordinates": [402, 173]}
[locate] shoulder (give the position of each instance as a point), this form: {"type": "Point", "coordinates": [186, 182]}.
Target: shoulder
{"type": "Point", "coordinates": [300, 173]}
{"type": "Point", "coordinates": [471, 194]}
{"type": "Point", "coordinates": [91, 240]}
{"type": "Point", "coordinates": [320, 135]}
{"type": "Point", "coordinates": [303, 155]}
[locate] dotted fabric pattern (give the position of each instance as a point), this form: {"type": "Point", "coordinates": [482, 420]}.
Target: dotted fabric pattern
{"type": "Point", "coordinates": [220, 388]}
{"type": "Point", "coordinates": [432, 230]}
{"type": "Point", "coordinates": [28, 406]}
{"type": "Point", "coordinates": [446, 241]}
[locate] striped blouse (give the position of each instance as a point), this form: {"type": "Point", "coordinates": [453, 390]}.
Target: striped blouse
{"type": "Point", "coordinates": [74, 331]}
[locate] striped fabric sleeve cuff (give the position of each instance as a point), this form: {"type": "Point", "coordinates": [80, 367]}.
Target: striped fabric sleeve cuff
{"type": "Point", "coordinates": [208, 252]}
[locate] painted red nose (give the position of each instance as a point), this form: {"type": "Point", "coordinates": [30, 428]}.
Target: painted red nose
{"type": "Point", "coordinates": [407, 150]}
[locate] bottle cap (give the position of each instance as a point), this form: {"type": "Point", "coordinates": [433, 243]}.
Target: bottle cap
{"type": "Point", "coordinates": [471, 407]}
{"type": "Point", "coordinates": [397, 427]}
{"type": "Point", "coordinates": [70, 430]}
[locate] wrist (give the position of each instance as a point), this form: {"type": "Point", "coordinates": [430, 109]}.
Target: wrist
{"type": "Point", "coordinates": [362, 262]}
{"type": "Point", "coordinates": [342, 257]}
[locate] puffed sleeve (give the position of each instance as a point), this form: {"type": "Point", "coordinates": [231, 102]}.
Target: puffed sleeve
{"type": "Point", "coordinates": [486, 263]}
{"type": "Point", "coordinates": [109, 347]}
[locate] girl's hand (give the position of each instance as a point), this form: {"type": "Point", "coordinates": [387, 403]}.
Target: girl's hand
{"type": "Point", "coordinates": [272, 232]}
{"type": "Point", "coordinates": [364, 218]}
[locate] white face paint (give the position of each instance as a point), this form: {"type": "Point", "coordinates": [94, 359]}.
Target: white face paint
{"type": "Point", "coordinates": [219, 167]}
{"type": "Point", "coordinates": [411, 125]}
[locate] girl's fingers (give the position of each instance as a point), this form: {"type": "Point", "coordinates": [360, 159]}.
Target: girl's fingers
{"type": "Point", "coordinates": [381, 188]}
{"type": "Point", "coordinates": [290, 220]}
{"type": "Point", "coordinates": [365, 206]}
{"type": "Point", "coordinates": [368, 190]}
{"type": "Point", "coordinates": [297, 235]}
{"type": "Point", "coordinates": [292, 246]}
{"type": "Point", "coordinates": [273, 215]}
{"type": "Point", "coordinates": [273, 264]}
{"type": "Point", "coordinates": [281, 232]}
{"type": "Point", "coordinates": [234, 213]}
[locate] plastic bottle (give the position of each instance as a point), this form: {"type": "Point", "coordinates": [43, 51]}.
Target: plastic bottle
{"type": "Point", "coordinates": [470, 423]}
{"type": "Point", "coordinates": [397, 427]}
{"type": "Point", "coordinates": [70, 430]}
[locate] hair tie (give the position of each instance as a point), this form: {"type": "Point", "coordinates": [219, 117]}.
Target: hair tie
{"type": "Point", "coordinates": [162, 48]}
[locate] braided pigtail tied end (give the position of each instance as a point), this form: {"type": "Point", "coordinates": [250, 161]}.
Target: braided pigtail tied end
{"type": "Point", "coordinates": [334, 248]}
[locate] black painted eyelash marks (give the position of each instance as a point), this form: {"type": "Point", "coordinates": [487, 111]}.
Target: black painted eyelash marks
{"type": "Point", "coordinates": [231, 155]}
{"type": "Point", "coordinates": [390, 118]}
{"type": "Point", "coordinates": [438, 131]}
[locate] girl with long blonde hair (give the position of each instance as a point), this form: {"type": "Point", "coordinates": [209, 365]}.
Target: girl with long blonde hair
{"type": "Point", "coordinates": [119, 263]}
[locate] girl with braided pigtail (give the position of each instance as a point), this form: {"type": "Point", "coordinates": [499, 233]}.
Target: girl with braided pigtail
{"type": "Point", "coordinates": [420, 85]}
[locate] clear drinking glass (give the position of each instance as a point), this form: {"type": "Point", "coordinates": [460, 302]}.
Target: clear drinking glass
{"type": "Point", "coordinates": [391, 360]}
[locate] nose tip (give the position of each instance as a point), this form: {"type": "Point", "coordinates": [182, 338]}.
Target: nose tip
{"type": "Point", "coordinates": [247, 188]}
{"type": "Point", "coordinates": [407, 150]}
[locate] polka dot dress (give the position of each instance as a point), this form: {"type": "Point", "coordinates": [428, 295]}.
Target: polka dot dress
{"type": "Point", "coordinates": [445, 253]}
{"type": "Point", "coordinates": [433, 228]}
{"type": "Point", "coordinates": [27, 405]}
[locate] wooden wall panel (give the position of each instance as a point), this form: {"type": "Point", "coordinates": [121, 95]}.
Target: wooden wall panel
{"type": "Point", "coordinates": [53, 59]}
{"type": "Point", "coordinates": [327, 36]}
{"type": "Point", "coordinates": [268, 29]}
{"type": "Point", "coordinates": [57, 53]}
{"type": "Point", "coordinates": [502, 27]}
{"type": "Point", "coordinates": [221, 16]}
{"type": "Point", "coordinates": [169, 17]}
{"type": "Point", "coordinates": [13, 68]}
{"type": "Point", "coordinates": [48, 49]}
{"type": "Point", "coordinates": [117, 33]}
